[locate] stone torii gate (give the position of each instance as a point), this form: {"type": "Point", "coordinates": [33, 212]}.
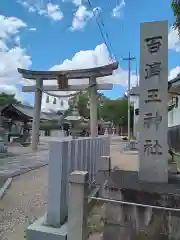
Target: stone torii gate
{"type": "Point", "coordinates": [62, 80]}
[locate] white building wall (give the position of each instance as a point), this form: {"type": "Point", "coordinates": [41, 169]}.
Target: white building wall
{"type": "Point", "coordinates": [135, 100]}
{"type": "Point", "coordinates": [173, 115]}
{"type": "Point", "coordinates": [61, 103]}
{"type": "Point", "coordinates": [136, 117]}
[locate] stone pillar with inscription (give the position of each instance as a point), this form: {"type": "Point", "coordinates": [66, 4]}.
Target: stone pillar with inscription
{"type": "Point", "coordinates": [153, 147]}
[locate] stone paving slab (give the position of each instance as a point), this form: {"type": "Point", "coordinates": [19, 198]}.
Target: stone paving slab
{"type": "Point", "coordinates": [13, 166]}
{"type": "Point", "coordinates": [121, 160]}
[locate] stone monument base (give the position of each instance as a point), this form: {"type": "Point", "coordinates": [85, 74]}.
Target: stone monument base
{"type": "Point", "coordinates": [144, 218]}
{"type": "Point", "coordinates": [38, 230]}
{"type": "Point", "coordinates": [120, 179]}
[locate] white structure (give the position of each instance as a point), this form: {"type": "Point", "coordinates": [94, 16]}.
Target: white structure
{"type": "Point", "coordinates": [173, 113]}
{"type": "Point", "coordinates": [62, 104]}
{"type": "Point", "coordinates": [135, 101]}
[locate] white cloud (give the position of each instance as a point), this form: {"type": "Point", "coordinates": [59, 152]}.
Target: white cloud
{"type": "Point", "coordinates": [53, 11]}
{"type": "Point", "coordinates": [32, 29]}
{"type": "Point", "coordinates": [10, 26]}
{"type": "Point", "coordinates": [50, 10]}
{"type": "Point", "coordinates": [81, 17]}
{"type": "Point", "coordinates": [27, 5]}
{"type": "Point", "coordinates": [117, 11]}
{"type": "Point", "coordinates": [10, 89]}
{"type": "Point", "coordinates": [3, 45]}
{"type": "Point", "coordinates": [17, 40]}
{"type": "Point", "coordinates": [173, 72]}
{"type": "Point", "coordinates": [88, 59]}
{"type": "Point", "coordinates": [173, 40]}
{"type": "Point", "coordinates": [11, 58]}
{"type": "Point", "coordinates": [77, 2]}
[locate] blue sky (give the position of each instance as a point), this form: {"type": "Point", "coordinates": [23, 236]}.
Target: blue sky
{"type": "Point", "coordinates": [48, 39]}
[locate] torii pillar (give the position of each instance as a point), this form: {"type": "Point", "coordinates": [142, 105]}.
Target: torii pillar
{"type": "Point", "coordinates": [93, 108]}
{"type": "Point", "coordinates": [62, 77]}
{"type": "Point", "coordinates": [37, 112]}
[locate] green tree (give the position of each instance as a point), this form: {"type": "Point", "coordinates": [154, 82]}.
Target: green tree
{"type": "Point", "coordinates": [82, 105]}
{"type": "Point", "coordinates": [7, 99]}
{"type": "Point", "coordinates": [176, 9]}
{"type": "Point", "coordinates": [116, 111]}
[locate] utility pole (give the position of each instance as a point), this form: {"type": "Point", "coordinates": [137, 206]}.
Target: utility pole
{"type": "Point", "coordinates": [129, 59]}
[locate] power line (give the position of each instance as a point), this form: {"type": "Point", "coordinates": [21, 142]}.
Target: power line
{"type": "Point", "coordinates": [99, 26]}
{"type": "Point", "coordinates": [106, 37]}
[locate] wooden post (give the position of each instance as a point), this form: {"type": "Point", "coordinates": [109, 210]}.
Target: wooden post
{"type": "Point", "coordinates": [37, 112]}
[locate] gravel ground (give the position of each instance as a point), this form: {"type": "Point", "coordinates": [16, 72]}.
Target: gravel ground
{"type": "Point", "coordinates": [26, 199]}
{"type": "Point", "coordinates": [123, 161]}
{"type": "Point", "coordinates": [23, 202]}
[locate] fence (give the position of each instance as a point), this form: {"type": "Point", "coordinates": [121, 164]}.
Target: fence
{"type": "Point", "coordinates": [125, 220]}
{"type": "Point", "coordinates": [116, 219]}
{"type": "Point", "coordinates": [66, 156]}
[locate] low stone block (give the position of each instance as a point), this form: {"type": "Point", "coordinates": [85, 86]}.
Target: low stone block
{"type": "Point", "coordinates": [38, 230]}
{"type": "Point", "coordinates": [104, 163]}
{"type": "Point", "coordinates": [172, 167]}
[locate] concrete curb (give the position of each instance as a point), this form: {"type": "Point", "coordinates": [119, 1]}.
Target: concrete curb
{"type": "Point", "coordinates": [25, 170]}
{"type": "Point", "coordinates": [5, 187]}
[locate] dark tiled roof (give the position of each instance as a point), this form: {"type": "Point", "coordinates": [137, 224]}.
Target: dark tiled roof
{"type": "Point", "coordinates": [27, 111]}
{"type": "Point", "coordinates": [176, 79]}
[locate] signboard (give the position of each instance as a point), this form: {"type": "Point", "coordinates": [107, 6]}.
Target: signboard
{"type": "Point", "coordinates": [153, 119]}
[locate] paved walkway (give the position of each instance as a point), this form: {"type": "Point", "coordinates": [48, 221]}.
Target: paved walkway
{"type": "Point", "coordinates": [122, 160]}
{"type": "Point", "coordinates": [24, 159]}
{"type": "Point", "coordinates": [12, 166]}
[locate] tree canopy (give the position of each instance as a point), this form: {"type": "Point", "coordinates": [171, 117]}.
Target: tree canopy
{"type": "Point", "coordinates": [176, 9]}
{"type": "Point", "coordinates": [115, 111]}
{"type": "Point", "coordinates": [7, 99]}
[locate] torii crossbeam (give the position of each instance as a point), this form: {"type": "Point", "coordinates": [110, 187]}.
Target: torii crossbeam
{"type": "Point", "coordinates": [62, 78]}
